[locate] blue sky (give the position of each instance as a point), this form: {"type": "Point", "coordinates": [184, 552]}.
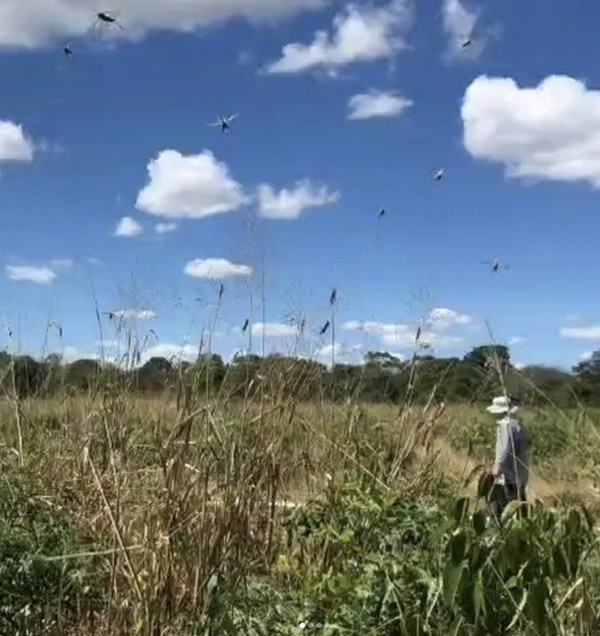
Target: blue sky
{"type": "Point", "coordinates": [289, 197]}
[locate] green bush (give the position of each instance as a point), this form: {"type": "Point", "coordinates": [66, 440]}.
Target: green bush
{"type": "Point", "coordinates": [38, 595]}
{"type": "Point", "coordinates": [363, 562]}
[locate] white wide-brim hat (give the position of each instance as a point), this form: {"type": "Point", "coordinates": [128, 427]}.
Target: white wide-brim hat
{"type": "Point", "coordinates": [502, 404]}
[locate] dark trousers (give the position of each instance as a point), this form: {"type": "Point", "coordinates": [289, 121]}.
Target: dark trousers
{"type": "Point", "coordinates": [503, 495]}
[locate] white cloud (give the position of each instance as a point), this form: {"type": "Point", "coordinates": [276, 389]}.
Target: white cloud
{"type": "Point", "coordinates": [50, 147]}
{"type": "Point", "coordinates": [33, 23]}
{"type": "Point", "coordinates": [216, 268]}
{"type": "Point", "coordinates": [289, 204]}
{"type": "Point", "coordinates": [519, 366]}
{"type": "Point", "coordinates": [439, 321]}
{"type": "Point", "coordinates": [550, 131]}
{"type": "Point", "coordinates": [40, 275]}
{"type": "Point", "coordinates": [362, 33]}
{"type": "Point", "coordinates": [516, 340]}
{"type": "Point", "coordinates": [14, 144]}
{"type": "Point", "coordinates": [584, 357]}
{"type": "Point", "coordinates": [61, 263]}
{"type": "Point", "coordinates": [273, 330]}
{"type": "Point", "coordinates": [186, 352]}
{"type": "Point", "coordinates": [343, 353]}
{"type": "Point", "coordinates": [92, 260]}
{"type": "Point", "coordinates": [135, 314]}
{"type": "Point", "coordinates": [442, 319]}
{"type": "Point", "coordinates": [165, 228]}
{"type": "Point", "coordinates": [459, 24]}
{"type": "Point", "coordinates": [128, 227]}
{"type": "Point", "coordinates": [399, 356]}
{"type": "Point", "coordinates": [393, 334]}
{"type": "Point", "coordinates": [581, 333]}
{"type": "Point", "coordinates": [192, 186]}
{"type": "Point", "coordinates": [72, 354]}
{"type": "Point", "coordinates": [376, 103]}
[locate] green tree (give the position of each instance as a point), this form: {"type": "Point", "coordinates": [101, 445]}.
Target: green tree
{"type": "Point", "coordinates": [155, 374]}
{"type": "Point", "coordinates": [82, 374]}
{"type": "Point", "coordinates": [486, 356]}
{"type": "Point", "coordinates": [587, 385]}
{"type": "Point", "coordinates": [383, 360]}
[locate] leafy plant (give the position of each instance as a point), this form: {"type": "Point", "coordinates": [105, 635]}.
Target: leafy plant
{"type": "Point", "coordinates": [39, 593]}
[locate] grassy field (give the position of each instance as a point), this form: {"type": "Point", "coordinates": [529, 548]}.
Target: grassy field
{"type": "Point", "coordinates": [144, 516]}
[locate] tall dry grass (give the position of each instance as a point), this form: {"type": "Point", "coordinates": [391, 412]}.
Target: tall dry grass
{"type": "Point", "coordinates": [169, 493]}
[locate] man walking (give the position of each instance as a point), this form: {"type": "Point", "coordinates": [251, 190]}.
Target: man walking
{"type": "Point", "coordinates": [511, 470]}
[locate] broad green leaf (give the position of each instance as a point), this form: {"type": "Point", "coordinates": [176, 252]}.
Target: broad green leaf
{"type": "Point", "coordinates": [573, 554]}
{"type": "Point", "coordinates": [478, 597]}
{"type": "Point", "coordinates": [457, 546]}
{"type": "Point", "coordinates": [479, 522]}
{"type": "Point", "coordinates": [452, 577]}
{"type": "Point", "coordinates": [536, 606]}
{"type": "Point", "coordinates": [461, 507]}
{"type": "Point", "coordinates": [574, 523]}
{"type": "Point", "coordinates": [515, 547]}
{"type": "Point", "coordinates": [559, 561]}
{"type": "Point", "coordinates": [484, 486]}
{"type": "Point", "coordinates": [478, 555]}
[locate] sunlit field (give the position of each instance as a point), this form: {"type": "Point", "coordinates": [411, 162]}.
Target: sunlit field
{"type": "Point", "coordinates": [194, 512]}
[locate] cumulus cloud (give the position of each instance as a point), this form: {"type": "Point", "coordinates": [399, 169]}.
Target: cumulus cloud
{"type": "Point", "coordinates": [587, 355]}
{"type": "Point", "coordinates": [549, 131]}
{"type": "Point", "coordinates": [350, 354]}
{"type": "Point", "coordinates": [165, 228]}
{"type": "Point", "coordinates": [392, 334]}
{"type": "Point", "coordinates": [128, 227]}
{"type": "Point", "coordinates": [438, 323]}
{"type": "Point", "coordinates": [192, 186]}
{"type": "Point", "coordinates": [33, 23]}
{"type": "Point", "coordinates": [167, 350]}
{"type": "Point", "coordinates": [14, 144]}
{"type": "Point", "coordinates": [376, 103]}
{"type": "Point", "coordinates": [134, 314]}
{"type": "Point", "coordinates": [273, 330]}
{"type": "Point", "coordinates": [216, 268]}
{"type": "Point", "coordinates": [63, 264]}
{"type": "Point", "coordinates": [516, 340]}
{"type": "Point", "coordinates": [72, 354]}
{"type": "Point", "coordinates": [442, 319]}
{"type": "Point", "coordinates": [591, 332]}
{"type": "Point", "coordinates": [289, 204]}
{"type": "Point", "coordinates": [39, 275]}
{"type": "Point", "coordinates": [361, 33]}
{"type": "Point", "coordinates": [459, 24]}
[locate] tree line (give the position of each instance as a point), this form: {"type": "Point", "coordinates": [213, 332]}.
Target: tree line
{"type": "Point", "coordinates": [481, 373]}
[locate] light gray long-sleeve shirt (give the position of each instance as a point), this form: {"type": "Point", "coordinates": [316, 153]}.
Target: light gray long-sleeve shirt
{"type": "Point", "coordinates": [512, 445]}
